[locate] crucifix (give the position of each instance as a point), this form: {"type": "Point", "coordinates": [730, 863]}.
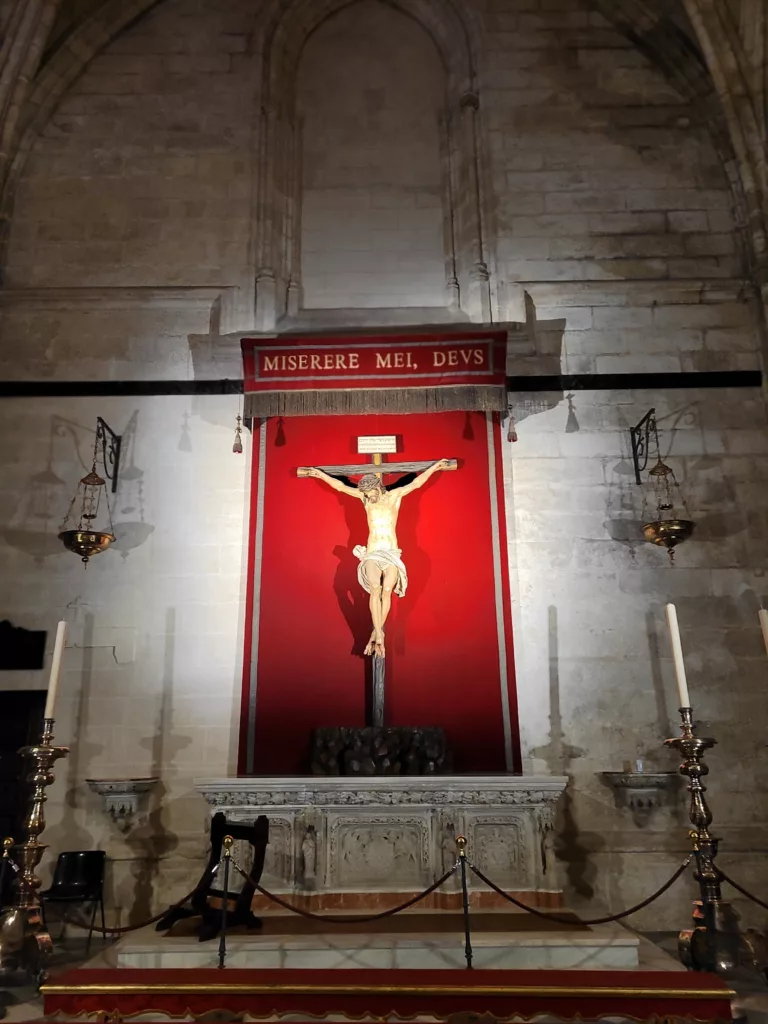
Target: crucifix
{"type": "Point", "coordinates": [381, 570]}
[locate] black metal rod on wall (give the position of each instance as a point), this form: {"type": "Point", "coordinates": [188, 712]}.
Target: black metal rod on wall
{"type": "Point", "coordinates": [542, 382]}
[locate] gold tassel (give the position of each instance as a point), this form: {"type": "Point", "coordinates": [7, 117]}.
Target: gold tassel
{"type": "Point", "coordinates": [237, 447]}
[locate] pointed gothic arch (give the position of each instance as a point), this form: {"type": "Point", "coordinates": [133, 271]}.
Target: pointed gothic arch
{"type": "Point", "coordinates": [285, 27]}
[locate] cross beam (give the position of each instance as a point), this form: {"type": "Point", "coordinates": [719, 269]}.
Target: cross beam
{"type": "Point", "coordinates": [383, 468]}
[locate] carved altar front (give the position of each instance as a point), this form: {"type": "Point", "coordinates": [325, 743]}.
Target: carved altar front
{"type": "Point", "coordinates": [397, 835]}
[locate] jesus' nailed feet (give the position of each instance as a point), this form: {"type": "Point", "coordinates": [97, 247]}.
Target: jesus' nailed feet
{"type": "Point", "coordinates": [375, 645]}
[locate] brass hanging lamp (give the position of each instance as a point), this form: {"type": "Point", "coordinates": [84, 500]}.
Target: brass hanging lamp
{"type": "Point", "coordinates": [86, 539]}
{"type": "Point", "coordinates": [666, 529]}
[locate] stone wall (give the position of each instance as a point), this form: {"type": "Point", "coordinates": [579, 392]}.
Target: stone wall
{"type": "Point", "coordinates": [152, 669]}
{"type": "Point", "coordinates": [595, 680]}
{"type": "Point", "coordinates": [608, 228]}
{"type": "Point", "coordinates": [142, 176]}
{"type": "Point", "coordinates": [371, 202]}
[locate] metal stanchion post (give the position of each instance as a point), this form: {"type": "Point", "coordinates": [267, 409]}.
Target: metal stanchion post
{"type": "Point", "coordinates": [227, 844]}
{"type": "Point", "coordinates": [461, 843]}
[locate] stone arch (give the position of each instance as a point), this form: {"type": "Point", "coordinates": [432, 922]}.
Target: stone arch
{"type": "Point", "coordinates": [722, 48]}
{"type": "Point", "coordinates": [455, 30]}
{"type": "Point", "coordinates": [286, 25]}
{"type": "Point", "coordinates": [697, 48]}
{"type": "Point", "coordinates": [55, 77]}
{"type": "Point", "coordinates": [290, 25]}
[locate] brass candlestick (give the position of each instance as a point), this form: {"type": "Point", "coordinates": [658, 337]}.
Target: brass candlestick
{"type": "Point", "coordinates": [715, 942]}
{"type": "Point", "coordinates": [25, 945]}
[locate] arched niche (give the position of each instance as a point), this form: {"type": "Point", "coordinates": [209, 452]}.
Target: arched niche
{"type": "Point", "coordinates": [285, 30]}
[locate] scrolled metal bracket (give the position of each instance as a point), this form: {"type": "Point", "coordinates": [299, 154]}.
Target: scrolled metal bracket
{"type": "Point", "coordinates": [111, 444]}
{"type": "Point", "coordinates": [640, 437]}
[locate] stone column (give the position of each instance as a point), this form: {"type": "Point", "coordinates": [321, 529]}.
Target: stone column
{"type": "Point", "coordinates": [479, 304]}
{"type": "Point", "coordinates": [292, 243]}
{"type": "Point", "coordinates": [264, 227]}
{"type": "Point", "coordinates": [452, 293]}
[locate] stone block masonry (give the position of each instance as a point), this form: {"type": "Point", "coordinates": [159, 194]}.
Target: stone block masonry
{"type": "Point", "coordinates": [568, 172]}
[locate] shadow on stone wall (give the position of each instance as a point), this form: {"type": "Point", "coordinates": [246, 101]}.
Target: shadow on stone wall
{"type": "Point", "coordinates": [573, 846]}
{"type": "Point", "coordinates": [131, 528]}
{"type": "Point", "coordinates": [36, 519]}
{"type": "Point", "coordinates": [35, 522]}
{"type": "Point", "coordinates": [153, 840]}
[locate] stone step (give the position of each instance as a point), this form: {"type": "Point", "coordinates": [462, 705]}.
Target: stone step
{"type": "Point", "coordinates": [499, 941]}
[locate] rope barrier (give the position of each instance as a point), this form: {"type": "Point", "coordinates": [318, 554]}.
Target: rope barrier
{"type": "Point", "coordinates": [382, 915]}
{"type": "Point", "coordinates": [580, 923]}
{"type": "Point", "coordinates": [357, 918]}
{"type": "Point", "coordinates": [742, 890]}
{"type": "Point", "coordinates": [130, 927]}
{"type": "Point", "coordinates": [331, 918]}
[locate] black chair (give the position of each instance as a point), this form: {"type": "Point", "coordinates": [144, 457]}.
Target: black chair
{"type": "Point", "coordinates": [78, 878]}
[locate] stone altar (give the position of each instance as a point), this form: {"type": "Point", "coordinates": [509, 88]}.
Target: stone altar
{"type": "Point", "coordinates": [333, 835]}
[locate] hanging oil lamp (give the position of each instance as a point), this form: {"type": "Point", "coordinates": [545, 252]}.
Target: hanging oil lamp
{"type": "Point", "coordinates": [667, 529]}
{"type": "Point", "coordinates": [85, 539]}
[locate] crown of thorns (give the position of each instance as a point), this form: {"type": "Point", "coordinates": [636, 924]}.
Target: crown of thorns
{"type": "Point", "coordinates": [370, 482]}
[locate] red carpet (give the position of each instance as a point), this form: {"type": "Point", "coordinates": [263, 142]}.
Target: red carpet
{"type": "Point", "coordinates": [351, 994]}
{"type": "Point", "coordinates": [449, 649]}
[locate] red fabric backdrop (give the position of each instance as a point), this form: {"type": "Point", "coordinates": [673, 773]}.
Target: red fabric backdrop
{"type": "Point", "coordinates": [443, 651]}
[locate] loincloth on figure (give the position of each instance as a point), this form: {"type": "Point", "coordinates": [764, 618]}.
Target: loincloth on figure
{"type": "Point", "coordinates": [383, 558]}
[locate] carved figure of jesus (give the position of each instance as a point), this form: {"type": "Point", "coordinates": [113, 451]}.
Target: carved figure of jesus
{"type": "Point", "coordinates": [381, 570]}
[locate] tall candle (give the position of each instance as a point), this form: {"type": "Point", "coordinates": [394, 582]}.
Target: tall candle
{"type": "Point", "coordinates": [677, 655]}
{"type": "Point", "coordinates": [53, 682]}
{"type": "Point", "coordinates": [764, 626]}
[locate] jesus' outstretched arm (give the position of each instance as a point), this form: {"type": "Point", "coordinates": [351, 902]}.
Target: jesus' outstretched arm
{"type": "Point", "coordinates": [337, 485]}
{"type": "Point", "coordinates": [422, 478]}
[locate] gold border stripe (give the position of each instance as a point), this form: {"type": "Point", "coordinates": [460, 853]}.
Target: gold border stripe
{"type": "Point", "coordinates": [371, 990]}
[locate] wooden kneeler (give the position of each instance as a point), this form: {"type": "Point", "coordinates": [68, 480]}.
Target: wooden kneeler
{"type": "Point", "coordinates": [211, 882]}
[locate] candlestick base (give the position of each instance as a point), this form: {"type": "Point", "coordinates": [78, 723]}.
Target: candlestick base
{"type": "Point", "coordinates": [715, 942]}
{"type": "Point", "coordinates": [25, 945]}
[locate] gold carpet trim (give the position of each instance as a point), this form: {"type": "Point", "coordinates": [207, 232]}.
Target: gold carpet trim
{"type": "Point", "coordinates": [485, 990]}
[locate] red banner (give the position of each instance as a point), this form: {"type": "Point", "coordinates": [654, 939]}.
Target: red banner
{"type": "Point", "coordinates": [472, 358]}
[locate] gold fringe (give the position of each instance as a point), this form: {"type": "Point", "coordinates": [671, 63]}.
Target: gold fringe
{"type": "Point", "coordinates": [395, 401]}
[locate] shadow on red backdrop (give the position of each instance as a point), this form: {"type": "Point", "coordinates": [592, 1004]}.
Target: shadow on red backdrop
{"type": "Point", "coordinates": [444, 658]}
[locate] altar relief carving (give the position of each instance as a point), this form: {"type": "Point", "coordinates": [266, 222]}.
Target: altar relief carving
{"type": "Point", "coordinates": [398, 834]}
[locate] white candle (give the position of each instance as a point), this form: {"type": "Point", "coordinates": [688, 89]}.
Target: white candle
{"type": "Point", "coordinates": [53, 682]}
{"type": "Point", "coordinates": [677, 655]}
{"type": "Point", "coordinates": [764, 626]}
{"type": "Point", "coordinates": [639, 766]}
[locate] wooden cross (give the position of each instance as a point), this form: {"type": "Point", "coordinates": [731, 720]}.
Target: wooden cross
{"type": "Point", "coordinates": [377, 448]}
{"type": "Point", "coordinates": [377, 466]}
